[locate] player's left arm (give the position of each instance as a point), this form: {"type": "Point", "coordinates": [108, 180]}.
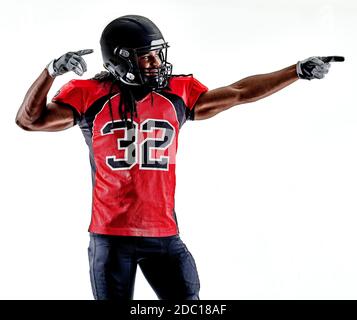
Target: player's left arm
{"type": "Point", "coordinates": [256, 87]}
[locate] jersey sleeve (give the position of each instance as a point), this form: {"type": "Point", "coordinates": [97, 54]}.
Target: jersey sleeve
{"type": "Point", "coordinates": [195, 89]}
{"type": "Point", "coordinates": [189, 89]}
{"type": "Point", "coordinates": [71, 96]}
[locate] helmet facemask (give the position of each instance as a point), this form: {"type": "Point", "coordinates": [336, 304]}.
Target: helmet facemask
{"type": "Point", "coordinates": [125, 66]}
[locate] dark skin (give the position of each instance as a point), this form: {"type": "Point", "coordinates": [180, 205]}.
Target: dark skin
{"type": "Point", "coordinates": [35, 114]}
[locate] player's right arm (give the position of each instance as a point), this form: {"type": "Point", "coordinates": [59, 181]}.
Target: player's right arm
{"type": "Point", "coordinates": [35, 114]}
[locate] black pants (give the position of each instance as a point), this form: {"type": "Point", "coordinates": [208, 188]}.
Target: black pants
{"type": "Point", "coordinates": [165, 262]}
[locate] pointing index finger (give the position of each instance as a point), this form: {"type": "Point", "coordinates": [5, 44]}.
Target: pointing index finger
{"type": "Point", "coordinates": [333, 59]}
{"type": "Point", "coordinates": [84, 52]}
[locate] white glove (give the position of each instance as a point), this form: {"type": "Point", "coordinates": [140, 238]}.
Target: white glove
{"type": "Point", "coordinates": [70, 61]}
{"type": "Point", "coordinates": [315, 67]}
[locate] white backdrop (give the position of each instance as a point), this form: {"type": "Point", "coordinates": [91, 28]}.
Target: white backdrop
{"type": "Point", "coordinates": [266, 192]}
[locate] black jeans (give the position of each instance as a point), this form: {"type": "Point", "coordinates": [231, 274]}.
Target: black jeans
{"type": "Point", "coordinates": [165, 262]}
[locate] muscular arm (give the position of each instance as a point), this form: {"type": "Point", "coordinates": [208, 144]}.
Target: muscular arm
{"type": "Point", "coordinates": [246, 90]}
{"type": "Point", "coordinates": [35, 115]}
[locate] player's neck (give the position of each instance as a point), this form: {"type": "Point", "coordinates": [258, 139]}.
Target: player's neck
{"type": "Point", "coordinates": [140, 92]}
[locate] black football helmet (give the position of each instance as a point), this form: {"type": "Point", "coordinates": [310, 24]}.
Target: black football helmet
{"type": "Point", "coordinates": [124, 40]}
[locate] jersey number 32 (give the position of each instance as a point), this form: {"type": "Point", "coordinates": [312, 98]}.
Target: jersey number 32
{"type": "Point", "coordinates": [137, 148]}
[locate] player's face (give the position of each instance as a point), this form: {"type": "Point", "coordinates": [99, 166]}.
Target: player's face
{"type": "Point", "coordinates": [150, 60]}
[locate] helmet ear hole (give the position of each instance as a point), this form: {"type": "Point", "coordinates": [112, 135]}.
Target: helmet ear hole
{"type": "Point", "coordinates": [123, 65]}
{"type": "Point", "coordinates": [118, 66]}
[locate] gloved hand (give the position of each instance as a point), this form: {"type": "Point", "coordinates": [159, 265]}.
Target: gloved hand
{"type": "Point", "coordinates": [70, 61]}
{"type": "Point", "coordinates": [315, 67]}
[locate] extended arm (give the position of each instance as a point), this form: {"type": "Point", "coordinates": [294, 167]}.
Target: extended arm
{"type": "Point", "coordinates": [259, 86]}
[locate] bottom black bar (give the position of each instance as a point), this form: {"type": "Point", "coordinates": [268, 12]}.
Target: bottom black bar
{"type": "Point", "coordinates": [202, 309]}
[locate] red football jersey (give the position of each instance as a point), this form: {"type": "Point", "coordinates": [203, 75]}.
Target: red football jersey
{"type": "Point", "coordinates": [133, 170]}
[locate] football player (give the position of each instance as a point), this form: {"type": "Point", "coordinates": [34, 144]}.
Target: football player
{"type": "Point", "coordinates": [130, 116]}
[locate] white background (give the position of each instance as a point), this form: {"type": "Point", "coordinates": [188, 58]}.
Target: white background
{"type": "Point", "coordinates": [266, 192]}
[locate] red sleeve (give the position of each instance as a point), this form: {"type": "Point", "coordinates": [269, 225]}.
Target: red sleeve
{"type": "Point", "coordinates": [196, 89]}
{"type": "Point", "coordinates": [188, 88]}
{"type": "Point", "coordinates": [71, 95]}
